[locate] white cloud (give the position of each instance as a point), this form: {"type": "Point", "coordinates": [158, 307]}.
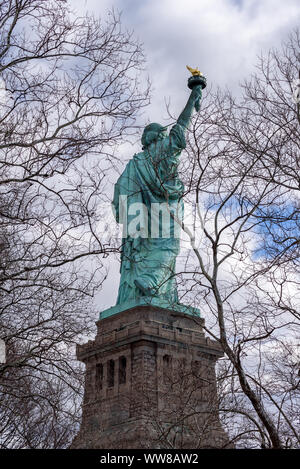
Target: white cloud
{"type": "Point", "coordinates": [221, 37]}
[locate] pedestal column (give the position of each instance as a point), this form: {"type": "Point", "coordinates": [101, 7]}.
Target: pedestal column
{"type": "Point", "coordinates": [150, 377]}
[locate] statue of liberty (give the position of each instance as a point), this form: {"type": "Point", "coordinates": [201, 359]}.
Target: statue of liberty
{"type": "Point", "coordinates": [148, 190]}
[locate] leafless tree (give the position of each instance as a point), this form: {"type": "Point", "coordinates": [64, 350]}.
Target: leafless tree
{"type": "Point", "coordinates": [242, 179]}
{"type": "Point", "coordinates": [71, 90]}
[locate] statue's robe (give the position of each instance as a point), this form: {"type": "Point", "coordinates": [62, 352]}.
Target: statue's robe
{"type": "Point", "coordinates": [150, 245]}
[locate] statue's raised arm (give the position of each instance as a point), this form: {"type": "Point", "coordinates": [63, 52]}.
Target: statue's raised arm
{"type": "Point", "coordinates": [196, 83]}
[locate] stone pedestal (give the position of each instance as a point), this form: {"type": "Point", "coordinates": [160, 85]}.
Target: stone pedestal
{"type": "Point", "coordinates": [150, 383]}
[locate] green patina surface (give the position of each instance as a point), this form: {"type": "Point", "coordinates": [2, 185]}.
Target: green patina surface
{"type": "Point", "coordinates": [150, 301]}
{"type": "Point", "coordinates": [151, 180]}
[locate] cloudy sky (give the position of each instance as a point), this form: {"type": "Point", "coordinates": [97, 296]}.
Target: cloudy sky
{"type": "Point", "coordinates": [221, 37]}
